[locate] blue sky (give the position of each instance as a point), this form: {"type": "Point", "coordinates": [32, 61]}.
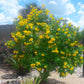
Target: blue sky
{"type": "Point", "coordinates": [72, 10]}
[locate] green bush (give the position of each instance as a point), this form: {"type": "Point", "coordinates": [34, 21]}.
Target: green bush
{"type": "Point", "coordinates": [44, 43]}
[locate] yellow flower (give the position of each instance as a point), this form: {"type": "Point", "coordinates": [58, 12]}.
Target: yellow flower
{"type": "Point", "coordinates": [57, 33]}
{"type": "Point", "coordinates": [56, 37]}
{"type": "Point", "coordinates": [68, 66]}
{"type": "Point", "coordinates": [68, 35]}
{"type": "Point", "coordinates": [72, 44]}
{"type": "Point", "coordinates": [45, 66]}
{"type": "Point", "coordinates": [37, 63]}
{"type": "Point", "coordinates": [65, 32]}
{"type": "Point", "coordinates": [31, 39]}
{"type": "Point", "coordinates": [62, 57]}
{"type": "Point", "coordinates": [27, 32]}
{"type": "Point", "coordinates": [5, 43]}
{"type": "Point", "coordinates": [65, 63]}
{"type": "Point", "coordinates": [61, 18]}
{"type": "Point", "coordinates": [62, 52]}
{"type": "Point", "coordinates": [71, 68]}
{"type": "Point", "coordinates": [42, 54]}
{"type": "Point", "coordinates": [58, 29]}
{"type": "Point", "coordinates": [64, 66]}
{"type": "Point", "coordinates": [55, 51]}
{"type": "Point", "coordinates": [69, 54]}
{"type": "Point", "coordinates": [57, 21]}
{"type": "Point", "coordinates": [43, 5]}
{"type": "Point", "coordinates": [39, 69]}
{"type": "Point", "coordinates": [63, 74]}
{"type": "Point", "coordinates": [81, 57]}
{"type": "Point", "coordinates": [14, 55]}
{"type": "Point", "coordinates": [50, 42]}
{"type": "Point", "coordinates": [66, 73]}
{"type": "Point", "coordinates": [41, 36]}
{"type": "Point", "coordinates": [36, 29]}
{"type": "Point", "coordinates": [74, 54]}
{"type": "Point", "coordinates": [47, 36]}
{"type": "Point", "coordinates": [52, 39]}
{"type": "Point", "coordinates": [47, 31]}
{"type": "Point", "coordinates": [16, 40]}
{"type": "Point", "coordinates": [33, 65]}
{"type": "Point", "coordinates": [35, 52]}
{"type": "Point", "coordinates": [26, 43]}
{"type": "Point", "coordinates": [15, 51]}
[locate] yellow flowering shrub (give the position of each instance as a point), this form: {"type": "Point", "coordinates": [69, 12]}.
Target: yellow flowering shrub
{"type": "Point", "coordinates": [43, 43]}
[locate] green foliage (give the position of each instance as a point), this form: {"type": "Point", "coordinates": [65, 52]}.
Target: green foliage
{"type": "Point", "coordinates": [31, 81]}
{"type": "Point", "coordinates": [43, 43]}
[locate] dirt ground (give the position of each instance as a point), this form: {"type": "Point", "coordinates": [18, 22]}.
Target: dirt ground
{"type": "Point", "coordinates": [76, 78]}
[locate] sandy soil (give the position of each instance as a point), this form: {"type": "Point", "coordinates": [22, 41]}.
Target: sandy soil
{"type": "Point", "coordinates": [76, 78]}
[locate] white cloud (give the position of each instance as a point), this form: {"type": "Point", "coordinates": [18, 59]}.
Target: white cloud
{"type": "Point", "coordinates": [79, 3]}
{"type": "Point", "coordinates": [5, 20]}
{"type": "Point", "coordinates": [10, 10]}
{"type": "Point", "coordinates": [60, 8]}
{"type": "Point", "coordinates": [52, 2]}
{"type": "Point", "coordinates": [2, 16]}
{"type": "Point", "coordinates": [70, 8]}
{"type": "Point", "coordinates": [81, 21]}
{"type": "Point", "coordinates": [81, 14]}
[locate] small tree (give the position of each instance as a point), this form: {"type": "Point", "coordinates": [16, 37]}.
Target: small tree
{"type": "Point", "coordinates": [41, 42]}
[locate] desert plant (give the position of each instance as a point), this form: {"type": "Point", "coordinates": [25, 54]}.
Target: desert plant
{"type": "Point", "coordinates": [43, 43]}
{"type": "Point", "coordinates": [36, 80]}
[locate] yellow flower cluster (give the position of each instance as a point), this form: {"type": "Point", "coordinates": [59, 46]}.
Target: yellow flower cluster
{"type": "Point", "coordinates": [27, 32]}
{"type": "Point", "coordinates": [55, 51]}
{"type": "Point", "coordinates": [33, 65]}
{"type": "Point", "coordinates": [25, 43]}
{"type": "Point", "coordinates": [51, 41]}
{"type": "Point", "coordinates": [9, 44]}
{"type": "Point", "coordinates": [15, 52]}
{"type": "Point", "coordinates": [42, 54]}
{"type": "Point", "coordinates": [39, 69]}
{"type": "Point", "coordinates": [22, 23]}
{"type": "Point", "coordinates": [37, 63]}
{"type": "Point", "coordinates": [62, 52]}
{"type": "Point", "coordinates": [71, 68]}
{"type": "Point", "coordinates": [14, 56]}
